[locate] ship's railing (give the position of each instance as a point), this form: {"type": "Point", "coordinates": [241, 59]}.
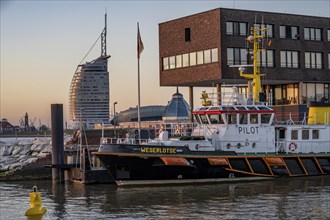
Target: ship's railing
{"type": "Point", "coordinates": [116, 140]}
{"type": "Point", "coordinates": [288, 118]}
{"type": "Point", "coordinates": [234, 98]}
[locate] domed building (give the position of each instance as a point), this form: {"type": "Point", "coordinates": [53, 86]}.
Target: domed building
{"type": "Point", "coordinates": [177, 110]}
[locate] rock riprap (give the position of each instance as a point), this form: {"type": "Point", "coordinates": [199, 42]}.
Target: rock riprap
{"type": "Point", "coordinates": [18, 154]}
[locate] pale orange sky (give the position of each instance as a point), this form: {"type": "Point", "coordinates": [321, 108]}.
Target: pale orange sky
{"type": "Point", "coordinates": [42, 42]}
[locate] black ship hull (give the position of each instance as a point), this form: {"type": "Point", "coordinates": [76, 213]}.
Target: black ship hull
{"type": "Point", "coordinates": [149, 163]}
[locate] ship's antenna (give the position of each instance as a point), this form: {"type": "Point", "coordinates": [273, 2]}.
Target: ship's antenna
{"type": "Point", "coordinates": [104, 38]}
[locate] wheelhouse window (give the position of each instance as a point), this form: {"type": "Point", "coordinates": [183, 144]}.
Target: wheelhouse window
{"type": "Point", "coordinates": [294, 134]}
{"type": "Point", "coordinates": [198, 119]}
{"type": "Point", "coordinates": [289, 32]}
{"type": "Point", "coordinates": [243, 118]}
{"type": "Point", "coordinates": [305, 134]}
{"type": "Point", "coordinates": [265, 118]}
{"type": "Point", "coordinates": [313, 60]}
{"type": "Point", "coordinates": [204, 119]}
{"type": "Point", "coordinates": [216, 119]}
{"type": "Point", "coordinates": [231, 118]}
{"type": "Point", "coordinates": [313, 34]}
{"type": "Point", "coordinates": [315, 134]}
{"type": "Point", "coordinates": [236, 28]}
{"type": "Point", "coordinates": [289, 59]}
{"type": "Point", "coordinates": [236, 56]}
{"type": "Point", "coordinates": [254, 119]}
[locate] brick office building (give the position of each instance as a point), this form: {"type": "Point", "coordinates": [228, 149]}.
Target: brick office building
{"type": "Point", "coordinates": [197, 50]}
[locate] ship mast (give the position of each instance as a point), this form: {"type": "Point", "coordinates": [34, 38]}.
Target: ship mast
{"type": "Point", "coordinates": [256, 76]}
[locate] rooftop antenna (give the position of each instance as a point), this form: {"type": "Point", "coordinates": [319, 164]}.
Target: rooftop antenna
{"type": "Point", "coordinates": [104, 38]}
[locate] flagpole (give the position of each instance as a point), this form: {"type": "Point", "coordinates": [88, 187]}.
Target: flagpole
{"type": "Point", "coordinates": [139, 116]}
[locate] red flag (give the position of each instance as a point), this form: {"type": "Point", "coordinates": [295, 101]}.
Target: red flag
{"type": "Point", "coordinates": [139, 44]}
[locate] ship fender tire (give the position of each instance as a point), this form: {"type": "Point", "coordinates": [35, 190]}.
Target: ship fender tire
{"type": "Point", "coordinates": [292, 146]}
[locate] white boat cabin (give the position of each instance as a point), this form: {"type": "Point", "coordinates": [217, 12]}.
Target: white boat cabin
{"type": "Point", "coordinates": [252, 129]}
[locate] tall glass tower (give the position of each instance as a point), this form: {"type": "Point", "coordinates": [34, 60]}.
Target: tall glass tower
{"type": "Point", "coordinates": [89, 90]}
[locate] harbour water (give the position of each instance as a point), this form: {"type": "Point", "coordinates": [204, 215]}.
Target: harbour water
{"type": "Point", "coordinates": [294, 198]}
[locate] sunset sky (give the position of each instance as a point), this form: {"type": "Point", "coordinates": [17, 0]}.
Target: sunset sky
{"type": "Point", "coordinates": [42, 42]}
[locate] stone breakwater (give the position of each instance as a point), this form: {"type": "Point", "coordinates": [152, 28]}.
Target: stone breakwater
{"type": "Point", "coordinates": [25, 159]}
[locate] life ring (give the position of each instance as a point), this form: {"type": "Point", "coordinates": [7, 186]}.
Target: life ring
{"type": "Point", "coordinates": [292, 146]}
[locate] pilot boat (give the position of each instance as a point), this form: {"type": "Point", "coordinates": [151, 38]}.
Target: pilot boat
{"type": "Point", "coordinates": [231, 142]}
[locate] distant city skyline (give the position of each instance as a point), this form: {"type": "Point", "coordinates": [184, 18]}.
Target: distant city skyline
{"type": "Point", "coordinates": [42, 42]}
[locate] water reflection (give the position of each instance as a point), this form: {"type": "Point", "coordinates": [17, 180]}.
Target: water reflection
{"type": "Point", "coordinates": [307, 197]}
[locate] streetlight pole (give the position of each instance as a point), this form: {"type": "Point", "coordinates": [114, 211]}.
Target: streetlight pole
{"type": "Point", "coordinates": [114, 117]}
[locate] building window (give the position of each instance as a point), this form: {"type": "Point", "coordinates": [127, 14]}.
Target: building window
{"type": "Point", "coordinates": [185, 60]}
{"type": "Point", "coordinates": [318, 92]}
{"type": "Point", "coordinates": [178, 61]}
{"type": "Point", "coordinates": [289, 32]}
{"type": "Point", "coordinates": [172, 62]}
{"type": "Point", "coordinates": [268, 33]}
{"type": "Point", "coordinates": [313, 34]}
{"type": "Point", "coordinates": [165, 63]}
{"type": "Point", "coordinates": [214, 53]}
{"type": "Point", "coordinates": [289, 59]}
{"type": "Point", "coordinates": [207, 56]}
{"type": "Point", "coordinates": [328, 60]}
{"type": "Point", "coordinates": [187, 34]}
{"type": "Point", "coordinates": [236, 28]}
{"type": "Point", "coordinates": [192, 59]}
{"type": "Point", "coordinates": [236, 56]}
{"type": "Point", "coordinates": [328, 34]}
{"type": "Point", "coordinates": [200, 57]}
{"type": "Point", "coordinates": [267, 58]}
{"type": "Point", "coordinates": [313, 60]}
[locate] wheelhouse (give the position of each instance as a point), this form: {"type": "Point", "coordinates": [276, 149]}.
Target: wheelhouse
{"type": "Point", "coordinates": [240, 114]}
